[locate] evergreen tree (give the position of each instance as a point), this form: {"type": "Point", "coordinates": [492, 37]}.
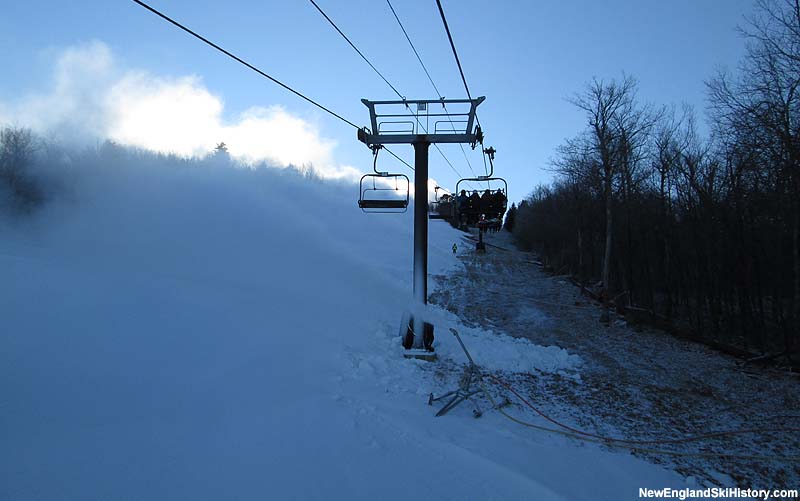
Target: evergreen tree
{"type": "Point", "coordinates": [221, 149]}
{"type": "Point", "coordinates": [511, 217]}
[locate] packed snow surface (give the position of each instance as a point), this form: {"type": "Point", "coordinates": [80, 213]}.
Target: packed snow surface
{"type": "Point", "coordinates": [195, 330]}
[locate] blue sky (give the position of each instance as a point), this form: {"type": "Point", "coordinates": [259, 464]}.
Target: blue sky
{"type": "Point", "coordinates": [525, 57]}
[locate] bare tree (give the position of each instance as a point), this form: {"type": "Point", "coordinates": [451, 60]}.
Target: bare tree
{"type": "Point", "coordinates": [701, 233]}
{"type": "Point", "coordinates": [763, 107]}
{"type": "Point", "coordinates": [17, 149]}
{"type": "Point", "coordinates": [615, 136]}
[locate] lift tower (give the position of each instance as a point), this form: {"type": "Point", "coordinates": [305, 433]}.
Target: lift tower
{"type": "Point", "coordinates": [414, 122]}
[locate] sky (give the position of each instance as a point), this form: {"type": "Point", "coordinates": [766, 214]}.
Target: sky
{"type": "Point", "coordinates": [96, 69]}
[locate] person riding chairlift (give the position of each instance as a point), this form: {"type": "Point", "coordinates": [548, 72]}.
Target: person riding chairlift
{"type": "Point", "coordinates": [462, 199]}
{"type": "Point", "coordinates": [474, 200]}
{"type": "Point", "coordinates": [499, 199]}
{"type": "Point", "coordinates": [486, 201]}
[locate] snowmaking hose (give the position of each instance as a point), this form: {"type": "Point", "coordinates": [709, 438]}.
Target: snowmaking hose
{"type": "Point", "coordinates": [623, 444]}
{"type": "Point", "coordinates": [632, 445]}
{"type": "Point", "coordinates": [693, 438]}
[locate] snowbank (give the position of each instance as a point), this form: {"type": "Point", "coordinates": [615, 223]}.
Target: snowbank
{"type": "Point", "coordinates": [191, 330]}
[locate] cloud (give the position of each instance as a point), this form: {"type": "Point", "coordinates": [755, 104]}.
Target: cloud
{"type": "Point", "coordinates": [74, 108]}
{"type": "Point", "coordinates": [92, 98]}
{"type": "Point", "coordinates": [274, 133]}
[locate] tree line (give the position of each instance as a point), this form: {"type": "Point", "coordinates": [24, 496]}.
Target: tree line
{"type": "Point", "coordinates": [19, 190]}
{"type": "Point", "coordinates": [701, 231]}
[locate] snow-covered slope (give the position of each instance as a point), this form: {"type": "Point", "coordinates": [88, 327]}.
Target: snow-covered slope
{"type": "Point", "coordinates": [191, 330]}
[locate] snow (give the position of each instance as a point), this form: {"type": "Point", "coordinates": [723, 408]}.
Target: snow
{"type": "Point", "coordinates": [179, 329]}
{"type": "Point", "coordinates": [634, 382]}
{"type": "Point", "coordinates": [499, 352]}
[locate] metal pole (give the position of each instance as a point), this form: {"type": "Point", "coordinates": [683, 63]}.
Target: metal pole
{"type": "Point", "coordinates": [420, 231]}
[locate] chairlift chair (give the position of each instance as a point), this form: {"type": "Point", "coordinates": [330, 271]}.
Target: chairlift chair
{"type": "Point", "coordinates": [474, 213]}
{"type": "Point", "coordinates": [383, 192]}
{"type": "Point", "coordinates": [441, 207]}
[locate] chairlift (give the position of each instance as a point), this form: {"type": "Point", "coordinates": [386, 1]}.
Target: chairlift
{"type": "Point", "coordinates": [495, 209]}
{"type": "Point", "coordinates": [469, 211]}
{"type": "Point", "coordinates": [441, 207]}
{"type": "Point", "coordinates": [383, 192]}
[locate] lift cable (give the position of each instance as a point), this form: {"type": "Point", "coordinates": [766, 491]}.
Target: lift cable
{"type": "Point", "coordinates": [356, 49]}
{"type": "Point", "coordinates": [455, 53]}
{"type": "Point", "coordinates": [402, 97]}
{"type": "Point", "coordinates": [393, 154]}
{"type": "Point", "coordinates": [438, 93]}
{"type": "Point", "coordinates": [430, 79]}
{"type": "Point", "coordinates": [460, 69]}
{"type": "Point", "coordinates": [448, 162]}
{"type": "Point", "coordinates": [464, 152]}
{"type": "Point", "coordinates": [416, 116]}
{"type": "Point", "coordinates": [232, 56]}
{"type": "Point", "coordinates": [245, 63]}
